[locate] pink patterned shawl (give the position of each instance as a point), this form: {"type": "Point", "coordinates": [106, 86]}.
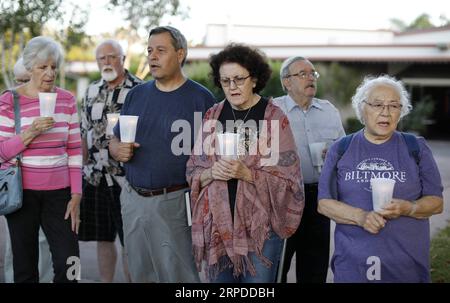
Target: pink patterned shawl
{"type": "Point", "coordinates": [274, 201]}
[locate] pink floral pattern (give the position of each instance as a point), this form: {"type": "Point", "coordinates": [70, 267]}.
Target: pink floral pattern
{"type": "Point", "coordinates": [274, 201]}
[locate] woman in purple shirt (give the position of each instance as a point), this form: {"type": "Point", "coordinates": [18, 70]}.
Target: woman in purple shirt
{"type": "Point", "coordinates": [391, 245]}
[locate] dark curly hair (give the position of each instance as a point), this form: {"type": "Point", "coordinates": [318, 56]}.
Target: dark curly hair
{"type": "Point", "coordinates": [251, 59]}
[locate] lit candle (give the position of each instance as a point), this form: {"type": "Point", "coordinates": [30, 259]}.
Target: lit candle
{"type": "Point", "coordinates": [112, 121]}
{"type": "Point", "coordinates": [47, 103]}
{"type": "Point", "coordinates": [128, 126]}
{"type": "Point", "coordinates": [228, 145]}
{"type": "Point", "coordinates": [382, 190]}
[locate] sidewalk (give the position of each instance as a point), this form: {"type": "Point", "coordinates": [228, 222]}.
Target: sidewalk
{"type": "Point", "coordinates": [88, 252]}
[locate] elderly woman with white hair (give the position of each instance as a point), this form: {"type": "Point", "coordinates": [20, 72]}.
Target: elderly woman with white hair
{"type": "Point", "coordinates": [51, 165]}
{"type": "Point", "coordinates": [391, 244]}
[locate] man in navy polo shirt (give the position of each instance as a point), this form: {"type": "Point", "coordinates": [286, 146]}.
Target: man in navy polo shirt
{"type": "Point", "coordinates": [157, 236]}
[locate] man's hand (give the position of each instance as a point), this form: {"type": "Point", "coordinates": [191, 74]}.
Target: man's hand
{"type": "Point", "coordinates": [122, 152]}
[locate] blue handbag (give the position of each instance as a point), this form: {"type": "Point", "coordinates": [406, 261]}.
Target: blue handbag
{"type": "Point", "coordinates": [11, 178]}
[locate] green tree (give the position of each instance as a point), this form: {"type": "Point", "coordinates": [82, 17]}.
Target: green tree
{"type": "Point", "coordinates": [422, 21]}
{"type": "Point", "coordinates": [143, 14]}
{"type": "Point", "coordinates": [21, 20]}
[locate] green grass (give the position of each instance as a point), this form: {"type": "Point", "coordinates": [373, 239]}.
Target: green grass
{"type": "Point", "coordinates": [440, 257]}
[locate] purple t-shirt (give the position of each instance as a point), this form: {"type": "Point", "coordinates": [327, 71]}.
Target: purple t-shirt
{"type": "Point", "coordinates": [400, 251]}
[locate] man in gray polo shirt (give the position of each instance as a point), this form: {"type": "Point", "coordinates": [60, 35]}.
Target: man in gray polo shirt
{"type": "Point", "coordinates": [312, 121]}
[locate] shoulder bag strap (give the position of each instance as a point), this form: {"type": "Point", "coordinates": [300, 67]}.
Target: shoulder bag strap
{"type": "Point", "coordinates": [17, 119]}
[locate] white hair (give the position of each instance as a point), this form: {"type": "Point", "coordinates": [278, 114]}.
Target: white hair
{"type": "Point", "coordinates": [114, 44]}
{"type": "Point", "coordinates": [369, 84]}
{"type": "Point", "coordinates": [20, 72]}
{"type": "Point", "coordinates": [284, 69]}
{"type": "Point", "coordinates": [39, 49]}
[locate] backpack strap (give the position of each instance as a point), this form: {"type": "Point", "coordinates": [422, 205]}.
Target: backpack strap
{"type": "Point", "coordinates": [343, 145]}
{"type": "Point", "coordinates": [413, 146]}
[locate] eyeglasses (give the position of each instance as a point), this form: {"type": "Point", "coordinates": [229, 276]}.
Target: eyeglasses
{"type": "Point", "coordinates": [110, 57]}
{"type": "Point", "coordinates": [238, 81]}
{"type": "Point", "coordinates": [303, 75]}
{"type": "Point", "coordinates": [379, 107]}
{"type": "Point", "coordinates": [21, 81]}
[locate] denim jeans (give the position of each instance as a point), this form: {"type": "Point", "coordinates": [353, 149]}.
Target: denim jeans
{"type": "Point", "coordinates": [271, 250]}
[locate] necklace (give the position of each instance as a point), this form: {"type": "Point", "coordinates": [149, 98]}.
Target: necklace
{"type": "Point", "coordinates": [243, 120]}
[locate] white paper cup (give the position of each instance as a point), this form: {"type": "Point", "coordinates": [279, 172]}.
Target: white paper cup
{"type": "Point", "coordinates": [228, 145]}
{"type": "Point", "coordinates": [47, 103]}
{"type": "Point", "coordinates": [128, 128]}
{"type": "Point", "coordinates": [382, 191]}
{"type": "Point", "coordinates": [112, 121]}
{"type": "Point", "coordinates": [316, 150]}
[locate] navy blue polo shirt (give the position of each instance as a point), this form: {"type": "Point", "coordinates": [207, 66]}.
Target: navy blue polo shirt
{"type": "Point", "coordinates": [157, 163]}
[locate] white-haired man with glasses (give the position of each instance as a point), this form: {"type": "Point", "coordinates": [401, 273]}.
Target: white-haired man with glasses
{"type": "Point", "coordinates": [314, 122]}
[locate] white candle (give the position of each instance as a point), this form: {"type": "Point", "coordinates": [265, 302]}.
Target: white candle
{"type": "Point", "coordinates": [228, 145]}
{"type": "Point", "coordinates": [112, 121]}
{"type": "Point", "coordinates": [382, 191]}
{"type": "Point", "coordinates": [47, 103]}
{"type": "Point", "coordinates": [128, 126]}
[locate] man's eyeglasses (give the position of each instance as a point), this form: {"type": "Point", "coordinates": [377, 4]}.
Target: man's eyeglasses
{"type": "Point", "coordinates": [225, 82]}
{"type": "Point", "coordinates": [379, 107]}
{"type": "Point", "coordinates": [110, 57]}
{"type": "Point", "coordinates": [303, 75]}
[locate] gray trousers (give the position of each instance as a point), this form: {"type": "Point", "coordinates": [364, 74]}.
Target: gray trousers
{"type": "Point", "coordinates": [157, 238]}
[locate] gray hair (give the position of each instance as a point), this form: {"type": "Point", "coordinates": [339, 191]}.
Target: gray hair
{"type": "Point", "coordinates": [114, 44]}
{"type": "Point", "coordinates": [20, 72]}
{"type": "Point", "coordinates": [284, 70]}
{"type": "Point", "coordinates": [369, 84]}
{"type": "Point", "coordinates": [178, 39]}
{"type": "Point", "coordinates": [40, 49]}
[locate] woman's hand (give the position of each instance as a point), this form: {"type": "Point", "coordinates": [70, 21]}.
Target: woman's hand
{"type": "Point", "coordinates": [396, 209]}
{"type": "Point", "coordinates": [73, 209]}
{"type": "Point", "coordinates": [219, 171]}
{"type": "Point", "coordinates": [234, 169]}
{"type": "Point", "coordinates": [39, 125]}
{"type": "Point", "coordinates": [372, 222]}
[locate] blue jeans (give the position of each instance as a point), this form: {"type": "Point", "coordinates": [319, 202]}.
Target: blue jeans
{"type": "Point", "coordinates": [271, 250]}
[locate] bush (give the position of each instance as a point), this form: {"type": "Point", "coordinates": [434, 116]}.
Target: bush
{"type": "Point", "coordinates": [352, 125]}
{"type": "Point", "coordinates": [419, 117]}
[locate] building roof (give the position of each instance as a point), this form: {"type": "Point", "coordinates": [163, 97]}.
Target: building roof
{"type": "Point", "coordinates": [322, 44]}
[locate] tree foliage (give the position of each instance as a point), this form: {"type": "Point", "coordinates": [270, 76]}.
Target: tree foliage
{"type": "Point", "coordinates": [21, 20]}
{"type": "Point", "coordinates": [143, 14]}
{"type": "Point", "coordinates": [422, 21]}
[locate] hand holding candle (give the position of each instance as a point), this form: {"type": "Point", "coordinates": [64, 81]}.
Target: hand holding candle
{"type": "Point", "coordinates": [316, 150]}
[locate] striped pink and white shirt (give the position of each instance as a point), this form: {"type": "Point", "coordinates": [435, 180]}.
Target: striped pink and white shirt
{"type": "Point", "coordinates": [53, 159]}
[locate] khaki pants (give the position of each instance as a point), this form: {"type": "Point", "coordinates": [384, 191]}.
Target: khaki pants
{"type": "Point", "coordinates": [157, 237]}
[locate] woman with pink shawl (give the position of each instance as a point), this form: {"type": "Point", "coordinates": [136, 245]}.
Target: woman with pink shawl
{"type": "Point", "coordinates": [243, 205]}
